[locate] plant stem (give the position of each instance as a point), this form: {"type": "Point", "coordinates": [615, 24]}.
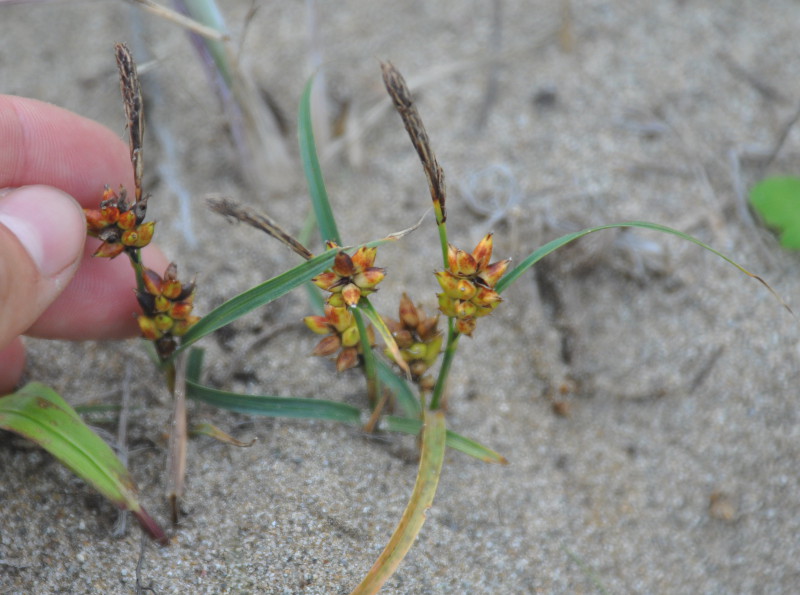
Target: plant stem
{"type": "Point", "coordinates": [136, 262]}
{"type": "Point", "coordinates": [447, 362]}
{"type": "Point", "coordinates": [370, 369]}
{"type": "Point", "coordinates": [443, 241]}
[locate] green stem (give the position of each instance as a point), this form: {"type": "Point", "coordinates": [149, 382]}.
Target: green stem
{"type": "Point", "coordinates": [370, 368]}
{"type": "Point", "coordinates": [447, 362]}
{"type": "Point", "coordinates": [443, 242]}
{"type": "Point", "coordinates": [138, 268]}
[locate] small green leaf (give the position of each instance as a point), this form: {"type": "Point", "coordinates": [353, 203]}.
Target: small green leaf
{"type": "Point", "coordinates": [316, 184]}
{"type": "Point", "coordinates": [470, 447]}
{"type": "Point", "coordinates": [271, 406]}
{"type": "Point", "coordinates": [402, 392]}
{"type": "Point", "coordinates": [554, 245]}
{"type": "Point", "coordinates": [430, 467]}
{"type": "Point", "coordinates": [368, 309]}
{"type": "Point", "coordinates": [257, 296]}
{"type": "Point", "coordinates": [777, 201]}
{"type": "Point", "coordinates": [266, 292]}
{"type": "Point", "coordinates": [38, 413]}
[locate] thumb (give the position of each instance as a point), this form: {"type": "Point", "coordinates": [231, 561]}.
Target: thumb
{"type": "Point", "coordinates": [42, 231]}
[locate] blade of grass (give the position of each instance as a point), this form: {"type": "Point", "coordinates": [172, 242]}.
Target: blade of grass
{"type": "Point", "coordinates": [365, 306]}
{"type": "Point", "coordinates": [271, 406]}
{"type": "Point", "coordinates": [38, 413]}
{"type": "Point", "coordinates": [370, 371]}
{"type": "Point", "coordinates": [407, 425]}
{"type": "Point", "coordinates": [430, 467]}
{"type": "Point", "coordinates": [312, 170]}
{"type": "Point", "coordinates": [266, 292]}
{"type": "Point", "coordinates": [299, 408]}
{"type": "Point", "coordinates": [553, 245]}
{"type": "Point", "coordinates": [399, 387]}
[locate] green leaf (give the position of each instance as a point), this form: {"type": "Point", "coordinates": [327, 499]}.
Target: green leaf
{"type": "Point", "coordinates": [402, 392]}
{"type": "Point", "coordinates": [430, 467]}
{"type": "Point", "coordinates": [266, 292]}
{"type": "Point", "coordinates": [311, 168]}
{"type": "Point", "coordinates": [777, 201]}
{"type": "Point", "coordinates": [554, 245]}
{"type": "Point", "coordinates": [407, 425]}
{"type": "Point", "coordinates": [38, 413]}
{"type": "Point", "coordinates": [271, 406]}
{"type": "Point", "coordinates": [365, 306]}
{"type": "Point", "coordinates": [257, 296]}
{"type": "Point", "coordinates": [194, 364]}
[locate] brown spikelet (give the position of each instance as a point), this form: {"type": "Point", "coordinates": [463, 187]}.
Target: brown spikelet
{"type": "Point", "coordinates": [404, 104]}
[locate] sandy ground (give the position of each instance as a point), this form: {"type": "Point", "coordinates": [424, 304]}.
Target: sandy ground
{"type": "Point", "coordinates": [675, 470]}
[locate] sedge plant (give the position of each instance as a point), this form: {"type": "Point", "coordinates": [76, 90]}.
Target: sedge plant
{"type": "Point", "coordinates": [418, 354]}
{"type": "Point", "coordinates": [406, 379]}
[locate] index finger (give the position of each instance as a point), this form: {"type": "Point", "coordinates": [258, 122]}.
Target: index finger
{"type": "Point", "coordinates": [50, 145]}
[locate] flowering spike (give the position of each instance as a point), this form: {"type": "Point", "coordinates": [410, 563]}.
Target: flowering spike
{"type": "Point", "coordinates": [350, 337]}
{"type": "Point", "coordinates": [447, 305]}
{"type": "Point", "coordinates": [163, 322]}
{"type": "Point", "coordinates": [364, 257]}
{"type": "Point", "coordinates": [452, 261]}
{"type": "Point", "coordinates": [180, 310]}
{"type": "Point", "coordinates": [107, 250]}
{"type": "Point", "coordinates": [182, 326]}
{"type": "Point", "coordinates": [328, 346]}
{"type": "Point", "coordinates": [486, 297]}
{"type": "Point", "coordinates": [369, 278]}
{"type": "Point", "coordinates": [351, 294]}
{"type": "Point", "coordinates": [171, 288]}
{"type": "Point", "coordinates": [483, 252]}
{"type": "Point", "coordinates": [408, 312]}
{"type": "Point", "coordinates": [465, 326]}
{"type": "Point", "coordinates": [148, 327]}
{"type": "Point", "coordinates": [127, 220]}
{"type": "Point", "coordinates": [493, 272]}
{"type": "Point", "coordinates": [348, 358]}
{"type": "Point", "coordinates": [152, 281]}
{"type": "Point", "coordinates": [318, 324]}
{"type": "Point", "coordinates": [464, 309]}
{"type": "Point", "coordinates": [140, 236]}
{"type": "Point", "coordinates": [343, 265]}
{"type": "Point", "coordinates": [325, 280]}
{"type": "Point", "coordinates": [466, 265]}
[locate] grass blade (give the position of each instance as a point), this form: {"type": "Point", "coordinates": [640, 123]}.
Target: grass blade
{"type": "Point", "coordinates": [311, 168]}
{"type": "Point", "coordinates": [38, 413]}
{"type": "Point", "coordinates": [554, 245]}
{"type": "Point", "coordinates": [365, 306]}
{"type": "Point", "coordinates": [271, 406]}
{"type": "Point", "coordinates": [257, 296]}
{"type": "Point", "coordinates": [399, 387]}
{"type": "Point", "coordinates": [407, 425]}
{"type": "Point", "coordinates": [266, 292]}
{"type": "Point", "coordinates": [430, 467]}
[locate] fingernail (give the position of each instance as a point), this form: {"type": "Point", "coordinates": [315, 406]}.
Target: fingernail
{"type": "Point", "coordinates": [48, 223]}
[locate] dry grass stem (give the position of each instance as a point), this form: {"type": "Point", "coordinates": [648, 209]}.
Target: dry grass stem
{"type": "Point", "coordinates": [182, 20]}
{"type": "Point", "coordinates": [239, 212]}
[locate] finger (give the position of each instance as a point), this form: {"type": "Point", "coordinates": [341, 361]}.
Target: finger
{"type": "Point", "coordinates": [100, 302]}
{"type": "Point", "coordinates": [12, 362]}
{"type": "Point", "coordinates": [42, 232]}
{"type": "Point", "coordinates": [45, 144]}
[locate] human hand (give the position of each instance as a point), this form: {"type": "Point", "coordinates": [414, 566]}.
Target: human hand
{"type": "Point", "coordinates": [52, 163]}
